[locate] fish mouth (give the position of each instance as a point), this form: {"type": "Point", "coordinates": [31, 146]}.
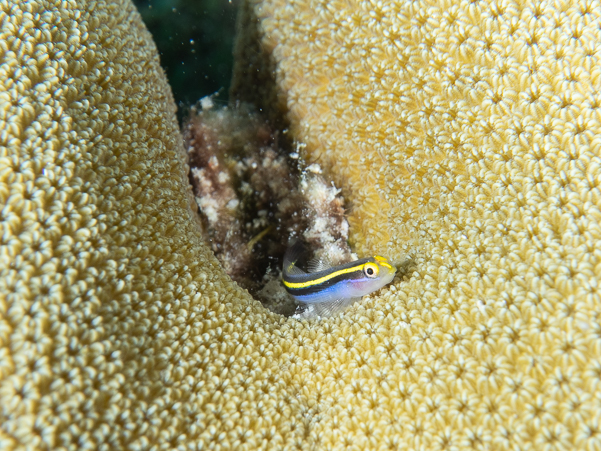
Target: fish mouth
{"type": "Point", "coordinates": [386, 279]}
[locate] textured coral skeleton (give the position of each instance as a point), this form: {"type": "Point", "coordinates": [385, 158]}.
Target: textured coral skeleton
{"type": "Point", "coordinates": [465, 133]}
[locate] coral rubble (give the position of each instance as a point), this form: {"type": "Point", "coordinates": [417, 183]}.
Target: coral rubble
{"type": "Point", "coordinates": [253, 199]}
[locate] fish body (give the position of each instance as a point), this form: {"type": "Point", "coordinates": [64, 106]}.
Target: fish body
{"type": "Point", "coordinates": [335, 285]}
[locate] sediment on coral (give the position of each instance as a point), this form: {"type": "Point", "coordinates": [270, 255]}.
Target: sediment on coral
{"type": "Point", "coordinates": [254, 195]}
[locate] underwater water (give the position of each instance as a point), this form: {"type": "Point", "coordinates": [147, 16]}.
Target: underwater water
{"type": "Point", "coordinates": [195, 40]}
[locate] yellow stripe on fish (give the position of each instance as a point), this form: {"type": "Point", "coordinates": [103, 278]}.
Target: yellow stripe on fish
{"type": "Point", "coordinates": [321, 280]}
{"type": "Point", "coordinates": [350, 280]}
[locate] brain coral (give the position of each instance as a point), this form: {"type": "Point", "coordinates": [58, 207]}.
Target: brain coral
{"type": "Point", "coordinates": [468, 135]}
{"type": "Point", "coordinates": [117, 328]}
{"type": "Point", "coordinates": [475, 127]}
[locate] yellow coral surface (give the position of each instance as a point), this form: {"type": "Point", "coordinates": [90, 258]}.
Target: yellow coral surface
{"type": "Point", "coordinates": [117, 327]}
{"type": "Point", "coordinates": [476, 129]}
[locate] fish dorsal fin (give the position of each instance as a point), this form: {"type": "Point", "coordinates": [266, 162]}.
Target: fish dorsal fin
{"type": "Point", "coordinates": [295, 270]}
{"type": "Point", "coordinates": [316, 265]}
{"type": "Point", "coordinates": [294, 252]}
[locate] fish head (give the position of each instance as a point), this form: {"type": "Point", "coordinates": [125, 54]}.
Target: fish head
{"type": "Point", "coordinates": [386, 271]}
{"type": "Point", "coordinates": [376, 273]}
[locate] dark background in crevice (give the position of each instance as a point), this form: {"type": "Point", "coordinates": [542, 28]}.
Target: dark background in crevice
{"type": "Point", "coordinates": [195, 39]}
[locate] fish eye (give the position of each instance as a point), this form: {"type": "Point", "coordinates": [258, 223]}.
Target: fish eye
{"type": "Point", "coordinates": [370, 270]}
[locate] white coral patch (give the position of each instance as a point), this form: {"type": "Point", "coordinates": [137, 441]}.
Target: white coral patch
{"type": "Point", "coordinates": [223, 177]}
{"type": "Point", "coordinates": [233, 204]}
{"type": "Point", "coordinates": [314, 168]}
{"type": "Point", "coordinates": [213, 162]}
{"type": "Point", "coordinates": [210, 208]}
{"type": "Point", "coordinates": [207, 103]}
